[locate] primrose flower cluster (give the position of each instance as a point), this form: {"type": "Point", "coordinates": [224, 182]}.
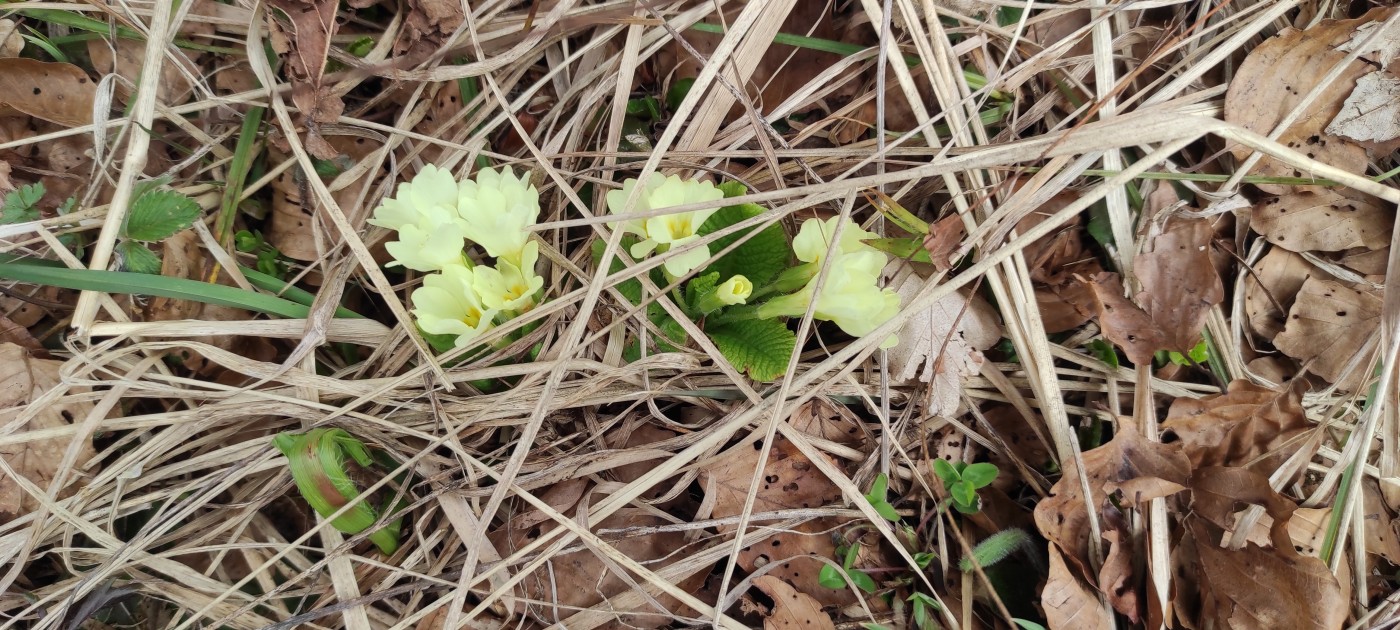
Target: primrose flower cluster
{"type": "Point", "coordinates": [435, 217]}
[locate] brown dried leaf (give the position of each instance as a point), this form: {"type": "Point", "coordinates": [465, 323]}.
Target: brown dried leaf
{"type": "Point", "coordinates": [11, 41]}
{"type": "Point", "coordinates": [790, 481]}
{"type": "Point", "coordinates": [1277, 278]}
{"type": "Point", "coordinates": [60, 93]}
{"type": "Point", "coordinates": [1125, 323]}
{"type": "Point", "coordinates": [1327, 220]}
{"type": "Point", "coordinates": [1274, 78]}
{"type": "Point", "coordinates": [1179, 282]}
{"type": "Point", "coordinates": [791, 609]}
{"type": "Point", "coordinates": [305, 42]}
{"type": "Point", "coordinates": [23, 379]}
{"type": "Point", "coordinates": [581, 579]}
{"type": "Point", "coordinates": [427, 24]}
{"type": "Point", "coordinates": [1141, 470]}
{"type": "Point", "coordinates": [943, 344]}
{"type": "Point", "coordinates": [1069, 603]}
{"type": "Point", "coordinates": [127, 61]}
{"type": "Point", "coordinates": [1256, 587]}
{"type": "Point", "coordinates": [1326, 327]}
{"type": "Point", "coordinates": [1240, 426]}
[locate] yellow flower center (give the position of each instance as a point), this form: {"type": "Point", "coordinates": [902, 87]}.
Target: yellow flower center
{"type": "Point", "coordinates": [473, 317]}
{"type": "Point", "coordinates": [679, 225]}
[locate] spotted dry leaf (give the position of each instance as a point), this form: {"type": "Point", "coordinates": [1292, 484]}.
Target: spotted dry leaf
{"type": "Point", "coordinates": [23, 379]}
{"type": "Point", "coordinates": [1327, 220]}
{"type": "Point", "coordinates": [792, 610]}
{"type": "Point", "coordinates": [60, 93]}
{"type": "Point", "coordinates": [1269, 291]}
{"type": "Point", "coordinates": [1326, 328]}
{"type": "Point", "coordinates": [1248, 425]}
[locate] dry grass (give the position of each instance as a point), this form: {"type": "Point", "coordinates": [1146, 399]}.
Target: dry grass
{"type": "Point", "coordinates": [188, 503]}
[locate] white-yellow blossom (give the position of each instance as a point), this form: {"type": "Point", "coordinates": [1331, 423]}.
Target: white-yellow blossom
{"type": "Point", "coordinates": [508, 287]}
{"type": "Point", "coordinates": [851, 296]}
{"type": "Point", "coordinates": [497, 209]}
{"type": "Point", "coordinates": [424, 214]}
{"type": "Point", "coordinates": [427, 246]}
{"type": "Point", "coordinates": [733, 291]}
{"type": "Point", "coordinates": [670, 231]}
{"type": "Point", "coordinates": [447, 304]}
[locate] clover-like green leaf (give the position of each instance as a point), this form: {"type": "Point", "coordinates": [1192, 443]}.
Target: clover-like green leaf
{"type": "Point", "coordinates": [980, 475]}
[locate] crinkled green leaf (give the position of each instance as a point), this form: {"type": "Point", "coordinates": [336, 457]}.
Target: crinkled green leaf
{"type": "Point", "coordinates": [759, 259]}
{"type": "Point", "coordinates": [158, 214]}
{"type": "Point", "coordinates": [1103, 351]}
{"type": "Point", "coordinates": [137, 258]}
{"type": "Point", "coordinates": [700, 285]}
{"type": "Point", "coordinates": [21, 204]}
{"type": "Point", "coordinates": [759, 346]}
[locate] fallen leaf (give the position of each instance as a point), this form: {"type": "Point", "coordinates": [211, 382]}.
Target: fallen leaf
{"type": "Point", "coordinates": [1328, 324]}
{"type": "Point", "coordinates": [1371, 113]}
{"type": "Point", "coordinates": [1179, 282]}
{"type": "Point", "coordinates": [1272, 82]}
{"type": "Point", "coordinates": [427, 26]}
{"type": "Point", "coordinates": [125, 58]}
{"type": "Point", "coordinates": [581, 579]}
{"type": "Point", "coordinates": [1055, 261]}
{"type": "Point", "coordinates": [305, 43]}
{"type": "Point", "coordinates": [790, 481]}
{"type": "Point", "coordinates": [1248, 425]}
{"type": "Point", "coordinates": [943, 239]}
{"type": "Point", "coordinates": [1118, 578]}
{"type": "Point", "coordinates": [791, 609]}
{"type": "Point", "coordinates": [1270, 290]}
{"type": "Point", "coordinates": [1069, 603]}
{"type": "Point", "coordinates": [1327, 220]}
{"type": "Point", "coordinates": [11, 40]}
{"type": "Point", "coordinates": [1255, 586]}
{"type": "Point", "coordinates": [60, 93]}
{"type": "Point", "coordinates": [943, 344]}
{"type": "Point", "coordinates": [1125, 323]}
{"type": "Point", "coordinates": [23, 380]}
{"type": "Point", "coordinates": [1139, 469]}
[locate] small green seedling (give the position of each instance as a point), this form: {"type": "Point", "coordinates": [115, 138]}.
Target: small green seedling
{"type": "Point", "coordinates": [21, 204]}
{"type": "Point", "coordinates": [1197, 356]}
{"type": "Point", "coordinates": [963, 481]}
{"type": "Point", "coordinates": [269, 259]}
{"type": "Point", "coordinates": [1103, 351]}
{"type": "Point", "coordinates": [155, 215]}
{"type": "Point", "coordinates": [876, 497]}
{"type": "Point", "coordinates": [831, 577]}
{"type": "Point", "coordinates": [923, 606]}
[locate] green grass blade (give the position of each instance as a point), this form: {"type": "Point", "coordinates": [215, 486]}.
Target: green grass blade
{"type": "Point", "coordinates": [273, 284]}
{"type": "Point", "coordinates": [144, 284]}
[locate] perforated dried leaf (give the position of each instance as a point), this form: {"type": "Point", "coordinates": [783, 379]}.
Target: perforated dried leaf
{"type": "Point", "coordinates": [1275, 77]}
{"type": "Point", "coordinates": [1270, 290]}
{"type": "Point", "coordinates": [23, 379]}
{"type": "Point", "coordinates": [1327, 220]}
{"type": "Point", "coordinates": [792, 610]}
{"type": "Point", "coordinates": [60, 93]}
{"type": "Point", "coordinates": [1328, 324]}
{"type": "Point", "coordinates": [943, 344]}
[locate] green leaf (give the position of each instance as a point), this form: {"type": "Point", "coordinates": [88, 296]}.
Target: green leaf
{"type": "Point", "coordinates": [946, 472]}
{"type": "Point", "coordinates": [159, 214]}
{"type": "Point", "coordinates": [878, 488]}
{"type": "Point", "coordinates": [911, 249]}
{"type": "Point", "coordinates": [924, 558]}
{"type": "Point", "coordinates": [698, 286]}
{"type": "Point", "coordinates": [980, 475]}
{"type": "Point", "coordinates": [645, 108]}
{"type": "Point", "coordinates": [1028, 625]}
{"type": "Point", "coordinates": [677, 93]}
{"type": "Point", "coordinates": [733, 188]}
{"type": "Point", "coordinates": [963, 493]}
{"type": "Point", "coordinates": [995, 548]}
{"type": "Point", "coordinates": [759, 259]}
{"type": "Point", "coordinates": [759, 346]}
{"type": "Point", "coordinates": [141, 188]}
{"type": "Point", "coordinates": [137, 258]}
{"type": "Point", "coordinates": [317, 462]}
{"type": "Point", "coordinates": [1100, 227]}
{"type": "Point", "coordinates": [885, 510]}
{"type": "Point", "coordinates": [1198, 355]}
{"type": "Point", "coordinates": [1103, 351]}
{"type": "Point", "coordinates": [41, 273]}
{"type": "Point", "coordinates": [830, 577]}
{"type": "Point", "coordinates": [21, 204]}
{"type": "Point", "coordinates": [848, 556]}
{"type": "Point", "coordinates": [874, 626]}
{"type": "Point", "coordinates": [862, 580]}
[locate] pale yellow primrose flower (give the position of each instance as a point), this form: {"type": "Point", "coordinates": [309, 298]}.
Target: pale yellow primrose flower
{"type": "Point", "coordinates": [447, 304]}
{"type": "Point", "coordinates": [733, 291]}
{"type": "Point", "coordinates": [508, 287]}
{"type": "Point", "coordinates": [666, 232]}
{"type": "Point", "coordinates": [851, 296]}
{"type": "Point", "coordinates": [424, 213]}
{"type": "Point", "coordinates": [497, 208]}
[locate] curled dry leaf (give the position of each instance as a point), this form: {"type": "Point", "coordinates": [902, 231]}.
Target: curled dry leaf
{"type": "Point", "coordinates": [1269, 292]}
{"type": "Point", "coordinates": [1252, 587]}
{"type": "Point", "coordinates": [943, 344]}
{"type": "Point", "coordinates": [1279, 73]}
{"type": "Point", "coordinates": [1327, 220]}
{"type": "Point", "coordinates": [23, 379]}
{"type": "Point", "coordinates": [305, 42]}
{"type": "Point", "coordinates": [1129, 464]}
{"type": "Point", "coordinates": [1326, 328]}
{"type": "Point", "coordinates": [792, 610]}
{"type": "Point", "coordinates": [790, 481]}
{"type": "Point", "coordinates": [1054, 261]}
{"type": "Point", "coordinates": [1125, 323]}
{"type": "Point", "coordinates": [1070, 603]}
{"type": "Point", "coordinates": [60, 93]}
{"type": "Point", "coordinates": [11, 41]}
{"type": "Point", "coordinates": [1248, 425]}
